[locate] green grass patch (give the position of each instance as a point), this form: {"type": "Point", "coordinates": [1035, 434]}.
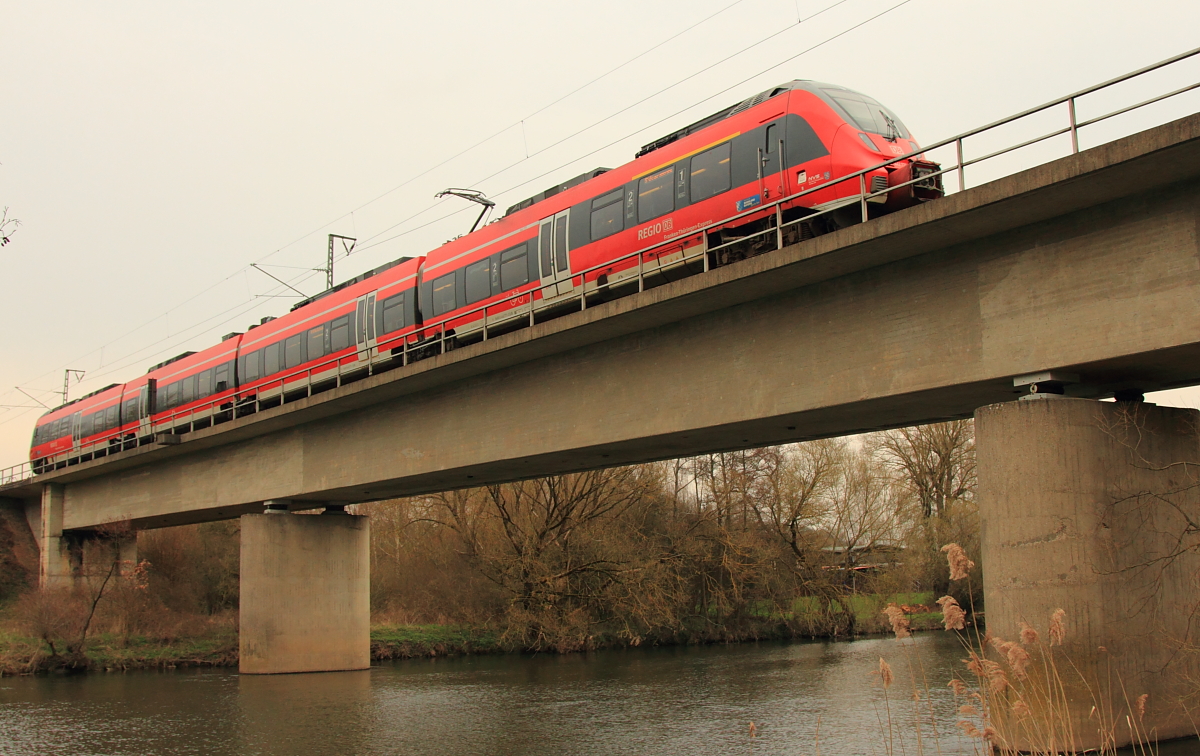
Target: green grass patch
{"type": "Point", "coordinates": [409, 641]}
{"type": "Point", "coordinates": [865, 605]}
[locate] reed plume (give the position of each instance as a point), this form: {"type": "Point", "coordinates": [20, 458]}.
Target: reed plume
{"type": "Point", "coordinates": [1029, 636]}
{"type": "Point", "coordinates": [899, 622]}
{"type": "Point", "coordinates": [885, 673]}
{"type": "Point", "coordinates": [1057, 630]}
{"type": "Point", "coordinates": [953, 617]}
{"type": "Point", "coordinates": [960, 565]}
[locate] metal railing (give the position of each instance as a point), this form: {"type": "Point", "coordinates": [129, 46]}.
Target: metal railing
{"type": "Point", "coordinates": [16, 474]}
{"type": "Point", "coordinates": [524, 304]}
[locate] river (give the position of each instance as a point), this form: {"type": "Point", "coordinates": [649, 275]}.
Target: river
{"type": "Point", "coordinates": [660, 701]}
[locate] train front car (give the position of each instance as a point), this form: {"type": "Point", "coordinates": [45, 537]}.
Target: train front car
{"type": "Point", "coordinates": [797, 147]}
{"type": "Point", "coordinates": [864, 134]}
{"type": "Point", "coordinates": [79, 431]}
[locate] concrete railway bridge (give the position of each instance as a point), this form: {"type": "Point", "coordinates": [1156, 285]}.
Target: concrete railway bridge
{"type": "Point", "coordinates": [1080, 275]}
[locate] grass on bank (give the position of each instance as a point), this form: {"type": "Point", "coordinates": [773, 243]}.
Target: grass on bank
{"type": "Point", "coordinates": [215, 642]}
{"type": "Point", "coordinates": [22, 655]}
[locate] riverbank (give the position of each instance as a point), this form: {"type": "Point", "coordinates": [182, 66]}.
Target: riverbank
{"type": "Point", "coordinates": [217, 644]}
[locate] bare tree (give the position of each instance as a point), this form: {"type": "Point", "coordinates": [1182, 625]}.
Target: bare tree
{"type": "Point", "coordinates": [8, 227]}
{"type": "Point", "coordinates": [937, 461]}
{"type": "Point", "coordinates": [536, 538]}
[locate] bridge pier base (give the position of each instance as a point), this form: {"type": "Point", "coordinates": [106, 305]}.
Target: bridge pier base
{"type": "Point", "coordinates": [305, 593]}
{"type": "Point", "coordinates": [60, 558]}
{"type": "Point", "coordinates": [1078, 507]}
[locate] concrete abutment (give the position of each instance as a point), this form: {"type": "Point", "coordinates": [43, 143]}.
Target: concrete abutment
{"type": "Point", "coordinates": [305, 593]}
{"type": "Point", "coordinates": [1078, 502]}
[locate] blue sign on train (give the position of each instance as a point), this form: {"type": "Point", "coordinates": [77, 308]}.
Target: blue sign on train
{"type": "Point", "coordinates": [749, 202]}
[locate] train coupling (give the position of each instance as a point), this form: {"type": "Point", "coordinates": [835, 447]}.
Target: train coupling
{"type": "Point", "coordinates": [916, 181]}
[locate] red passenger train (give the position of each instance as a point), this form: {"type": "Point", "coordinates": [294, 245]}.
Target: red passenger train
{"type": "Point", "coordinates": [742, 181]}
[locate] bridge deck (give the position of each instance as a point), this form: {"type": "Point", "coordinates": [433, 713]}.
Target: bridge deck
{"type": "Point", "coordinates": [1087, 264]}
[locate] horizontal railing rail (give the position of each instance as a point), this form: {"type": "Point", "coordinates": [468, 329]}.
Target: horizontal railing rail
{"type": "Point", "coordinates": [694, 249]}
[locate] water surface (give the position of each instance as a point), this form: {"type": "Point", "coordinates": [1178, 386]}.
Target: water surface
{"type": "Point", "coordinates": [668, 701]}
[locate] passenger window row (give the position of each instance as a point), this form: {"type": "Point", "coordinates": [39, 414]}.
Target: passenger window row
{"type": "Point", "coordinates": [194, 387]}
{"type": "Point", "coordinates": [734, 162]}
{"type": "Point", "coordinates": [53, 430]}
{"type": "Point", "coordinates": [498, 273]}
{"type": "Point", "coordinates": [98, 422]}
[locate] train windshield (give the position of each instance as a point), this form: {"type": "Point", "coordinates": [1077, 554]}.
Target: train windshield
{"type": "Point", "coordinates": [868, 114]}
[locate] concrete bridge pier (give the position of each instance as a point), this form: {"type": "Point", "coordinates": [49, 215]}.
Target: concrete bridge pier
{"type": "Point", "coordinates": [1078, 505]}
{"type": "Point", "coordinates": [61, 557]}
{"type": "Point", "coordinates": [70, 556]}
{"type": "Point", "coordinates": [305, 591]}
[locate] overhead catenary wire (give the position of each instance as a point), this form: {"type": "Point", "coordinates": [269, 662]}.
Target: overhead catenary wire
{"type": "Point", "coordinates": [625, 109]}
{"type": "Point", "coordinates": [543, 108]}
{"type": "Point", "coordinates": [679, 112]}
{"type": "Point", "coordinates": [245, 307]}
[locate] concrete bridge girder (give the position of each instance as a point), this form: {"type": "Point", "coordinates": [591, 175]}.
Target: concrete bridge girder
{"type": "Point", "coordinates": [1088, 264]}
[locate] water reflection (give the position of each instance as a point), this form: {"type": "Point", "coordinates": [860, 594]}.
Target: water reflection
{"type": "Point", "coordinates": [641, 701]}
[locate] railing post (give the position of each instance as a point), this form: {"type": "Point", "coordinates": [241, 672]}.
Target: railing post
{"type": "Point", "coordinates": [962, 181]}
{"type": "Point", "coordinates": [779, 227]}
{"type": "Point", "coordinates": [1074, 129]}
{"type": "Point", "coordinates": [704, 247]}
{"type": "Point", "coordinates": [862, 194]}
{"type": "Point", "coordinates": [641, 280]}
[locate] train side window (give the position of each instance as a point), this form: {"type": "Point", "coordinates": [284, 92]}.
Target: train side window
{"type": "Point", "coordinates": [253, 369]}
{"type": "Point", "coordinates": [339, 334]}
{"type": "Point", "coordinates": [360, 318]}
{"type": "Point", "coordinates": [129, 411]}
{"type": "Point", "coordinates": [204, 384]}
{"type": "Point", "coordinates": [271, 360]}
{"type": "Point", "coordinates": [544, 246]}
{"type": "Point", "coordinates": [772, 138]}
{"type": "Point", "coordinates": [514, 270]}
{"type": "Point", "coordinates": [316, 342]}
{"type": "Point", "coordinates": [392, 313]}
{"type": "Point", "coordinates": [113, 418]}
{"type": "Point", "coordinates": [187, 390]}
{"type": "Point", "coordinates": [221, 377]}
{"type": "Point", "coordinates": [479, 285]}
{"type": "Point", "coordinates": [561, 263]}
{"type": "Point", "coordinates": [710, 173]}
{"type": "Point", "coordinates": [293, 350]}
{"type": "Point", "coordinates": [443, 295]}
{"type": "Point", "coordinates": [607, 214]}
{"type": "Point", "coordinates": [173, 395]}
{"type": "Point", "coordinates": [655, 195]}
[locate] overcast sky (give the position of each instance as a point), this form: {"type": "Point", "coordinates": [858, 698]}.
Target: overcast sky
{"type": "Point", "coordinates": [152, 150]}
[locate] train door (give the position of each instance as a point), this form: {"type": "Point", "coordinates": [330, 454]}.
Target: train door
{"type": "Point", "coordinates": [365, 326]}
{"type": "Point", "coordinates": [146, 406]}
{"type": "Point", "coordinates": [76, 430]}
{"type": "Point", "coordinates": [772, 178]}
{"type": "Point", "coordinates": [556, 263]}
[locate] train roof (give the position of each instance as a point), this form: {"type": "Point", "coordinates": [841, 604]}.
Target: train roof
{"type": "Point", "coordinates": [820, 89]}
{"type": "Point", "coordinates": [85, 397]}
{"type": "Point", "coordinates": [556, 189]}
{"type": "Point", "coordinates": [347, 284]}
